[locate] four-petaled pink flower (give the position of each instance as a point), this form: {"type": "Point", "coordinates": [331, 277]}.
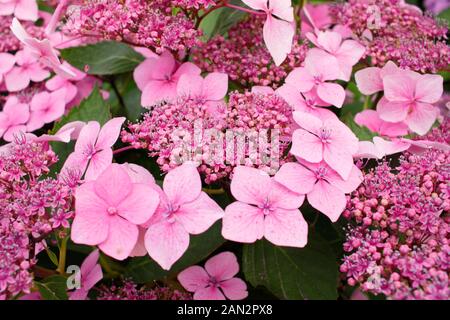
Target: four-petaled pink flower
{"type": "Point", "coordinates": [27, 69]}
{"type": "Point", "coordinates": [90, 274]}
{"type": "Point", "coordinates": [43, 50]}
{"type": "Point", "coordinates": [109, 210]}
{"type": "Point", "coordinates": [157, 78]}
{"type": "Point", "coordinates": [319, 68]}
{"type": "Point", "coordinates": [408, 97]}
{"type": "Point", "coordinates": [46, 107]}
{"type": "Point", "coordinates": [216, 281]}
{"type": "Point", "coordinates": [209, 91]}
{"type": "Point", "coordinates": [7, 62]}
{"type": "Point", "coordinates": [264, 208]}
{"type": "Point", "coordinates": [184, 209]}
{"type": "Point", "coordinates": [324, 188]}
{"type": "Point", "coordinates": [346, 52]}
{"type": "Point", "coordinates": [13, 118]}
{"type": "Point", "coordinates": [93, 148]}
{"type": "Point", "coordinates": [279, 28]}
{"type": "Point", "coordinates": [22, 9]}
{"type": "Point", "coordinates": [329, 140]}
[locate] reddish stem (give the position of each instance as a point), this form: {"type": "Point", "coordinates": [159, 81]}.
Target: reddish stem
{"type": "Point", "coordinates": [122, 150]}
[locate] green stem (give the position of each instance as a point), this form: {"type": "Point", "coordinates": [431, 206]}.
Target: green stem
{"type": "Point", "coordinates": [62, 256]}
{"type": "Point", "coordinates": [367, 103]}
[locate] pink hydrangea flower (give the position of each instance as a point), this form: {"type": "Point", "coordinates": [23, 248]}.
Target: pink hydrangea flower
{"type": "Point", "coordinates": [13, 118]}
{"type": "Point", "coordinates": [157, 78]}
{"type": "Point", "coordinates": [279, 28]}
{"type": "Point", "coordinates": [324, 187]}
{"type": "Point", "coordinates": [90, 274]}
{"type": "Point", "coordinates": [371, 120]}
{"type": "Point", "coordinates": [264, 208]}
{"type": "Point", "coordinates": [93, 151]}
{"type": "Point", "coordinates": [7, 62]}
{"type": "Point", "coordinates": [216, 281]}
{"type": "Point", "coordinates": [27, 69]}
{"type": "Point", "coordinates": [66, 133]}
{"type": "Point", "coordinates": [22, 9]}
{"type": "Point", "coordinates": [346, 52]}
{"type": "Point", "coordinates": [320, 68]}
{"type": "Point", "coordinates": [46, 107]}
{"type": "Point", "coordinates": [109, 210]}
{"type": "Point", "coordinates": [329, 140]}
{"type": "Point", "coordinates": [42, 49]}
{"type": "Point", "coordinates": [184, 209]}
{"type": "Point", "coordinates": [209, 91]}
{"type": "Point", "coordinates": [409, 97]}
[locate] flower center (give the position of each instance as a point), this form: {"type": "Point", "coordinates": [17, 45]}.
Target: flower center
{"type": "Point", "coordinates": [321, 173]}
{"type": "Point", "coordinates": [325, 135]}
{"type": "Point", "coordinates": [213, 282]}
{"type": "Point", "coordinates": [317, 80]}
{"type": "Point", "coordinates": [266, 207]}
{"type": "Point", "coordinates": [169, 215]}
{"type": "Point", "coordinates": [112, 211]}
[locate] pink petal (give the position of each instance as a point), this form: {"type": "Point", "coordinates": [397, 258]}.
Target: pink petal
{"type": "Point", "coordinates": [339, 158]}
{"type": "Point", "coordinates": [282, 9]}
{"type": "Point", "coordinates": [157, 91]}
{"type": "Point", "coordinates": [390, 147]}
{"type": "Point", "coordinates": [7, 61]}
{"type": "Point", "coordinates": [308, 121]}
{"type": "Point", "coordinates": [138, 174]}
{"type": "Point", "coordinates": [139, 249]}
{"type": "Point", "coordinates": [94, 276]}
{"type": "Point", "coordinates": [399, 87]}
{"type": "Point", "coordinates": [182, 184]}
{"type": "Point", "coordinates": [371, 120]}
{"type": "Point", "coordinates": [234, 289]}
{"type": "Point", "coordinates": [109, 133]}
{"type": "Point", "coordinates": [140, 204]}
{"type": "Point", "coordinates": [18, 113]}
{"type": "Point", "coordinates": [300, 79]}
{"type": "Point", "coordinates": [89, 263]}
{"type": "Point", "coordinates": [37, 73]}
{"type": "Point", "coordinates": [246, 185]}
{"type": "Point", "coordinates": [158, 68]}
{"type": "Point", "coordinates": [91, 224]}
{"type": "Point", "coordinates": [281, 197]}
{"type": "Point", "coordinates": [193, 278]}
{"type": "Point", "coordinates": [113, 185]}
{"type": "Point", "coordinates": [369, 80]}
{"type": "Point", "coordinates": [329, 40]}
{"type": "Point", "coordinates": [322, 64]}
{"type": "Point", "coordinates": [19, 31]}
{"type": "Point", "coordinates": [199, 215]}
{"type": "Point", "coordinates": [392, 111]}
{"type": "Point", "coordinates": [166, 242]}
{"type": "Point", "coordinates": [79, 294]}
{"type": "Point", "coordinates": [307, 146]}
{"type": "Point", "coordinates": [278, 37]}
{"type": "Point", "coordinates": [296, 178]}
{"type": "Point", "coordinates": [327, 199]}
{"type": "Point", "coordinates": [210, 293]}
{"type": "Point", "coordinates": [354, 180]}
{"type": "Point", "coordinates": [98, 163]}
{"type": "Point", "coordinates": [17, 79]}
{"type": "Point", "coordinates": [286, 228]}
{"type": "Point", "coordinates": [215, 86]}
{"type": "Point", "coordinates": [190, 85]}
{"type": "Point", "coordinates": [223, 266]}
{"type": "Point", "coordinates": [242, 223]}
{"type": "Point", "coordinates": [429, 88]}
{"type": "Point", "coordinates": [186, 68]}
{"type": "Point", "coordinates": [7, 8]}
{"type": "Point", "coordinates": [422, 117]}
{"type": "Point", "coordinates": [348, 55]}
{"type": "Point", "coordinates": [256, 4]}
{"type": "Point", "coordinates": [88, 137]}
{"type": "Point", "coordinates": [26, 10]}
{"type": "Point", "coordinates": [122, 238]}
{"type": "Point", "coordinates": [332, 93]}
{"type": "Point", "coordinates": [14, 131]}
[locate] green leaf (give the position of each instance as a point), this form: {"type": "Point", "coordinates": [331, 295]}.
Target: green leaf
{"type": "Point", "coordinates": [219, 21]}
{"type": "Point", "coordinates": [53, 288]}
{"type": "Point", "coordinates": [93, 108]}
{"type": "Point", "coordinates": [144, 269]}
{"type": "Point", "coordinates": [293, 273]}
{"type": "Point", "coordinates": [103, 58]}
{"type": "Point", "coordinates": [445, 16]}
{"type": "Point", "coordinates": [52, 256]}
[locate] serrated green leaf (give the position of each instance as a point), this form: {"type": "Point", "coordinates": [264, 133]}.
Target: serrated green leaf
{"type": "Point", "coordinates": [144, 269]}
{"type": "Point", "coordinates": [52, 256]}
{"type": "Point", "coordinates": [103, 58]}
{"type": "Point", "coordinates": [219, 21]}
{"type": "Point", "coordinates": [293, 273]}
{"type": "Point", "coordinates": [53, 288]}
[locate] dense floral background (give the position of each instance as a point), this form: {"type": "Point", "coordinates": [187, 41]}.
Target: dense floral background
{"type": "Point", "coordinates": [224, 149]}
